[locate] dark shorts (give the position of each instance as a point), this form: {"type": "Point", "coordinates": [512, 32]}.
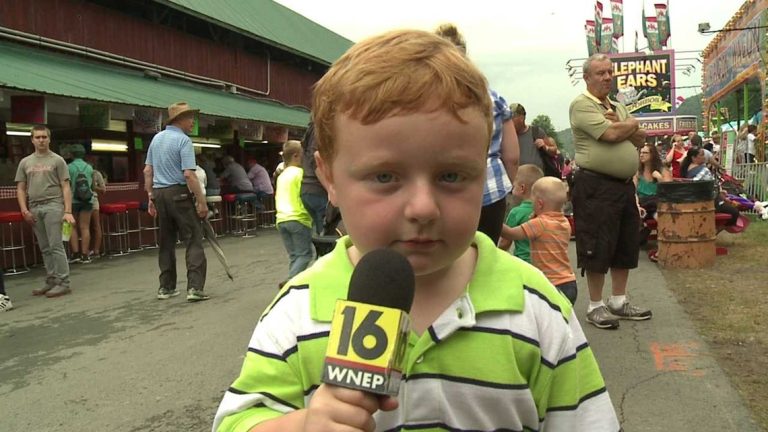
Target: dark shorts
{"type": "Point", "coordinates": [78, 207]}
{"type": "Point", "coordinates": [570, 290]}
{"type": "Point", "coordinates": [607, 222]}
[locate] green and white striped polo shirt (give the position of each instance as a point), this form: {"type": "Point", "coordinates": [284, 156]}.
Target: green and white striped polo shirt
{"type": "Point", "coordinates": [508, 355]}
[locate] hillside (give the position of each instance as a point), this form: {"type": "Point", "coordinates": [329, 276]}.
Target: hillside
{"type": "Point", "coordinates": [565, 139]}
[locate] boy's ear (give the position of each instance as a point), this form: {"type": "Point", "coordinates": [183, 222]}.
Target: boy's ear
{"type": "Point", "coordinates": [325, 175]}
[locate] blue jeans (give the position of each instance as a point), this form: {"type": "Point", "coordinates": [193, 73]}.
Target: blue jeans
{"type": "Point", "coordinates": [315, 205]}
{"type": "Point", "coordinates": [297, 239]}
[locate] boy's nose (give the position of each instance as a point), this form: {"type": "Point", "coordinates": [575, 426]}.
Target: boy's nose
{"type": "Point", "coordinates": [422, 204]}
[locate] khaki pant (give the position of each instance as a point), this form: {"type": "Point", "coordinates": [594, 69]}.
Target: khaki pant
{"type": "Point", "coordinates": [49, 218]}
{"type": "Point", "coordinates": [178, 219]}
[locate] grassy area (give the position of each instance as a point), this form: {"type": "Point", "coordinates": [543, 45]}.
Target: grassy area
{"type": "Point", "coordinates": [727, 303]}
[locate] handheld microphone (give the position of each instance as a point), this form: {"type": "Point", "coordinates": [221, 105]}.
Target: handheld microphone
{"type": "Point", "coordinates": [369, 330]}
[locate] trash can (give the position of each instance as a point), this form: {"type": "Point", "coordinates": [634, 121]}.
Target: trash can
{"type": "Point", "coordinates": [686, 224]}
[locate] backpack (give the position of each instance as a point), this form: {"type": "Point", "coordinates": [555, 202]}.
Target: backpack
{"type": "Point", "coordinates": [551, 164]}
{"type": "Point", "coordinates": [83, 192]}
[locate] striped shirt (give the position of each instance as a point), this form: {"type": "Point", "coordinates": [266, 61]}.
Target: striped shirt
{"type": "Point", "coordinates": [550, 234]}
{"type": "Point", "coordinates": [497, 183]}
{"type": "Point", "coordinates": [507, 355]}
{"type": "Point", "coordinates": [169, 154]}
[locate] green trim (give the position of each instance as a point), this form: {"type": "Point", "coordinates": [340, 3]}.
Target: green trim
{"type": "Point", "coordinates": [30, 69]}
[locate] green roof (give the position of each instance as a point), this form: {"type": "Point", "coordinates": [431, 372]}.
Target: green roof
{"type": "Point", "coordinates": [27, 68]}
{"type": "Point", "coordinates": [270, 22]}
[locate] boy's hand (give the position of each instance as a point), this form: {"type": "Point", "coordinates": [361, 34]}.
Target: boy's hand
{"type": "Point", "coordinates": [151, 208]}
{"type": "Point", "coordinates": [504, 244]}
{"type": "Point", "coordinates": [335, 408]}
{"type": "Point", "coordinates": [29, 217]}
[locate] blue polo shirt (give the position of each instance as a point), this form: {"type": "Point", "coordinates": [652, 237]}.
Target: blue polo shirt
{"type": "Point", "coordinates": [169, 154]}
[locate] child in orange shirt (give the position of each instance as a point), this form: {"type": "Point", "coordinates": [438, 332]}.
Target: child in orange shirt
{"type": "Point", "coordinates": [549, 233]}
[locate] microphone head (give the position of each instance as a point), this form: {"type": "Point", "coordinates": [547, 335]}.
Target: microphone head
{"type": "Point", "coordinates": [383, 277]}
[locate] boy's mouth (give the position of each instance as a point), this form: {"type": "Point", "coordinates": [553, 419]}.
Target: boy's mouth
{"type": "Point", "coordinates": [419, 243]}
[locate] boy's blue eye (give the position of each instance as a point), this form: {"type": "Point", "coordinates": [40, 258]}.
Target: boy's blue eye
{"type": "Point", "coordinates": [450, 177]}
{"type": "Point", "coordinates": [384, 177]}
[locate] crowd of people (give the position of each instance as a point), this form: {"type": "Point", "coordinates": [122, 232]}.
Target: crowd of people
{"type": "Point", "coordinates": [432, 178]}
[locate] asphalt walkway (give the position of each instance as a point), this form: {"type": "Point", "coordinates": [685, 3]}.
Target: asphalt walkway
{"type": "Point", "coordinates": [112, 357]}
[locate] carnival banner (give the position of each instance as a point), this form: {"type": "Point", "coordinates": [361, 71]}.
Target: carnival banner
{"type": "Point", "coordinates": [652, 31]}
{"type": "Point", "coordinates": [662, 22]}
{"type": "Point", "coordinates": [742, 51]}
{"type": "Point", "coordinates": [598, 23]}
{"type": "Point", "coordinates": [606, 33]}
{"type": "Point", "coordinates": [617, 10]}
{"type": "Point", "coordinates": [589, 29]}
{"type": "Point", "coordinates": [644, 83]}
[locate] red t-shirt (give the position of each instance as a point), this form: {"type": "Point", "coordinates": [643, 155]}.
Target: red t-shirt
{"type": "Point", "coordinates": [676, 163]}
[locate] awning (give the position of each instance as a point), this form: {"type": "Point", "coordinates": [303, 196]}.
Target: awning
{"type": "Point", "coordinates": [36, 70]}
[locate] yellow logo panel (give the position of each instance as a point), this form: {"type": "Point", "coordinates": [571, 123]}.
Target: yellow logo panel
{"type": "Point", "coordinates": [364, 334]}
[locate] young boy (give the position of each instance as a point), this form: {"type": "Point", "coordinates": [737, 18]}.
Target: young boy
{"type": "Point", "coordinates": [521, 189]}
{"type": "Point", "coordinates": [403, 122]}
{"type": "Point", "coordinates": [293, 220]}
{"type": "Point", "coordinates": [549, 233]}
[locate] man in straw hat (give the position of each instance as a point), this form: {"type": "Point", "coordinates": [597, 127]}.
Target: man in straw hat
{"type": "Point", "coordinates": [176, 198]}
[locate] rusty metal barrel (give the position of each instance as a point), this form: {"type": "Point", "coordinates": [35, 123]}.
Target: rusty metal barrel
{"type": "Point", "coordinates": [686, 224]}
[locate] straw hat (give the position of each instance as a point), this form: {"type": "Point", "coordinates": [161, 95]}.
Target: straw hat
{"type": "Point", "coordinates": [178, 109]}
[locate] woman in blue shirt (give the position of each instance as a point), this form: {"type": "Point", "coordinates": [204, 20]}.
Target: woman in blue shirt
{"type": "Point", "coordinates": [694, 167]}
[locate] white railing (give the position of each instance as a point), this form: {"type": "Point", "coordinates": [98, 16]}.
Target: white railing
{"type": "Point", "coordinates": [754, 178]}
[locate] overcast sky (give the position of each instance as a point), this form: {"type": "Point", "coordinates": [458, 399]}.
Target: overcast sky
{"type": "Point", "coordinates": [523, 45]}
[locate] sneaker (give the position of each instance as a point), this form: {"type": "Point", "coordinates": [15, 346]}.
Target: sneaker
{"type": "Point", "coordinates": [76, 258]}
{"type": "Point", "coordinates": [41, 291]}
{"type": "Point", "coordinates": [50, 282]}
{"type": "Point", "coordinates": [165, 293]}
{"type": "Point", "coordinates": [602, 318]}
{"type": "Point", "coordinates": [58, 291]}
{"type": "Point", "coordinates": [85, 259]}
{"type": "Point", "coordinates": [194, 295]}
{"type": "Point", "coordinates": [5, 303]}
{"type": "Point", "coordinates": [630, 312]}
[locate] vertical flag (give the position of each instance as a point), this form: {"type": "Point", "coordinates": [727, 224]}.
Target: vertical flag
{"type": "Point", "coordinates": [589, 28]}
{"type": "Point", "coordinates": [598, 23]}
{"type": "Point", "coordinates": [669, 27]}
{"type": "Point", "coordinates": [653, 34]}
{"type": "Point", "coordinates": [606, 36]}
{"type": "Point", "coordinates": [614, 45]}
{"type": "Point", "coordinates": [637, 47]}
{"type": "Point", "coordinates": [662, 23]}
{"type": "Point", "coordinates": [617, 10]}
{"type": "Point", "coordinates": [645, 24]}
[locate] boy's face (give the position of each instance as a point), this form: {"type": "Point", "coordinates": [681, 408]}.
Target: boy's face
{"type": "Point", "coordinates": [412, 183]}
{"type": "Point", "coordinates": [519, 189]}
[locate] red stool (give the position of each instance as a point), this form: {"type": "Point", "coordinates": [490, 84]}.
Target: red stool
{"type": "Point", "coordinates": [216, 213]}
{"type": "Point", "coordinates": [268, 214]}
{"type": "Point", "coordinates": [229, 221]}
{"type": "Point", "coordinates": [132, 206]}
{"type": "Point", "coordinates": [114, 224]}
{"type": "Point", "coordinates": [12, 229]}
